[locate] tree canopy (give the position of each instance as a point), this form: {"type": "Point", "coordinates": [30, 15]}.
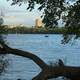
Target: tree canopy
{"type": "Point", "coordinates": [73, 19]}
{"type": "Point", "coordinates": [3, 61]}
{"type": "Point", "coordinates": [52, 9]}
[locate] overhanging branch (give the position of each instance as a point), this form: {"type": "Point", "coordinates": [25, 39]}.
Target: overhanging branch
{"type": "Point", "coordinates": [26, 54]}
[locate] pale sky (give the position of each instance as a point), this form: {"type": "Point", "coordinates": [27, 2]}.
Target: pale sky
{"type": "Point", "coordinates": [18, 14]}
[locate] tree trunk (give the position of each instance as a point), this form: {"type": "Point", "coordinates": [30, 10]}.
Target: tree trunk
{"type": "Point", "coordinates": [48, 71]}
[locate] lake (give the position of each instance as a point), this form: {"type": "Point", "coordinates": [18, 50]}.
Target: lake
{"type": "Point", "coordinates": [48, 49]}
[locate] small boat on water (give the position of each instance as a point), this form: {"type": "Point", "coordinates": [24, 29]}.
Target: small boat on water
{"type": "Point", "coordinates": [46, 36]}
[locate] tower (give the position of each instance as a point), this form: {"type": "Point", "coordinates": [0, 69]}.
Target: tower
{"type": "Point", "coordinates": [38, 23]}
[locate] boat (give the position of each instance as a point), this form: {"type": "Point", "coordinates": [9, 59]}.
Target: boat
{"type": "Point", "coordinates": [46, 36]}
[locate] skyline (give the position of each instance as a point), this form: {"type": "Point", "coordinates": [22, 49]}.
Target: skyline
{"type": "Point", "coordinates": [18, 14]}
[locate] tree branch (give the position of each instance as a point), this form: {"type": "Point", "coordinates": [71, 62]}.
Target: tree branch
{"type": "Point", "coordinates": [26, 54]}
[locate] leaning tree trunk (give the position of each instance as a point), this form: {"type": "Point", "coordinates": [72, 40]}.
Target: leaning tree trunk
{"type": "Point", "coordinates": [48, 71]}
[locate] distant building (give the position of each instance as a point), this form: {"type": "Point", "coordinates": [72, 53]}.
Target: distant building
{"type": "Point", "coordinates": [10, 25]}
{"type": "Point", "coordinates": [14, 25]}
{"type": "Point", "coordinates": [38, 23]}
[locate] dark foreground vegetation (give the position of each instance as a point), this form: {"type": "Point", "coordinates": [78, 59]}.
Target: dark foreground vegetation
{"type": "Point", "coordinates": [3, 60]}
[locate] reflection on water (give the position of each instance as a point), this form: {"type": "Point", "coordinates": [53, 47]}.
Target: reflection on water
{"type": "Point", "coordinates": [47, 48]}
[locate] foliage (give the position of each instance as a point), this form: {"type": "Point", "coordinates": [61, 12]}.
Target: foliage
{"type": "Point", "coordinates": [3, 61]}
{"type": "Point", "coordinates": [3, 30]}
{"type": "Point", "coordinates": [73, 19]}
{"type": "Point", "coordinates": [52, 9]}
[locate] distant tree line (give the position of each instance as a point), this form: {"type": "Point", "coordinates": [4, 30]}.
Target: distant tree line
{"type": "Point", "coordinates": [30, 30]}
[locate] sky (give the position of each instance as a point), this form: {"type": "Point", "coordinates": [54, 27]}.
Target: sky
{"type": "Point", "coordinates": [18, 14]}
